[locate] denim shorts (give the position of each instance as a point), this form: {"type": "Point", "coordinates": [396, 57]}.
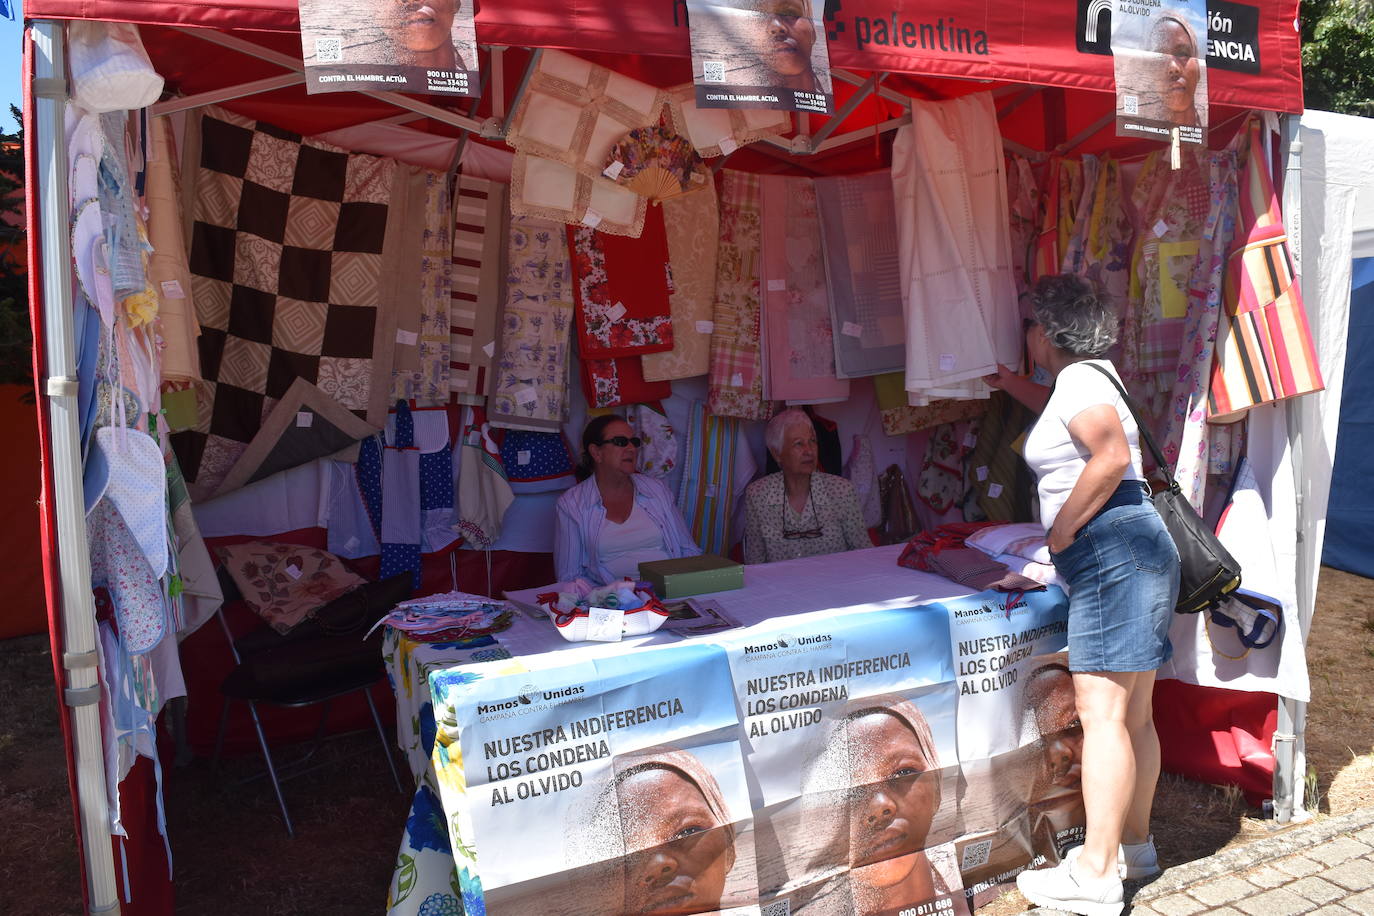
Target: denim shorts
{"type": "Point", "coordinates": [1122, 572]}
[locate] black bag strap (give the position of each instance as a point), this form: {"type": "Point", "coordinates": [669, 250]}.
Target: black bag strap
{"type": "Point", "coordinates": [1141, 426]}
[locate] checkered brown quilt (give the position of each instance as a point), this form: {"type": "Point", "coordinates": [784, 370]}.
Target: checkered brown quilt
{"type": "Point", "coordinates": [293, 266]}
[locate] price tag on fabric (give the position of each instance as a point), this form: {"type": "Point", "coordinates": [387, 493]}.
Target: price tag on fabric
{"type": "Point", "coordinates": [489, 349]}
{"type": "Point", "coordinates": [712, 489]}
{"type": "Point", "coordinates": [605, 624]}
{"type": "Point", "coordinates": [728, 145]}
{"type": "Point", "coordinates": [591, 219]}
{"type": "Point", "coordinates": [305, 419]}
{"type": "Point", "coordinates": [526, 396]}
{"type": "Point", "coordinates": [616, 312]}
{"type": "Point", "coordinates": [613, 170]}
{"type": "Point", "coordinates": [994, 490]}
{"type": "Point", "coordinates": [777, 286]}
{"type": "Point", "coordinates": [698, 177]}
{"type": "Point", "coordinates": [172, 289]}
{"type": "Point", "coordinates": [947, 362]}
{"type": "Point", "coordinates": [522, 456]}
{"type": "Point", "coordinates": [351, 544]}
{"type": "Point", "coordinates": [293, 571]}
{"type": "Point", "coordinates": [970, 440]}
{"type": "Point", "coordinates": [981, 473]}
{"type": "Point", "coordinates": [850, 329]}
{"type": "Point", "coordinates": [408, 338]}
{"type": "Point", "coordinates": [706, 327]}
{"type": "Point", "coordinates": [737, 380]}
{"type": "Point", "coordinates": [1161, 227]}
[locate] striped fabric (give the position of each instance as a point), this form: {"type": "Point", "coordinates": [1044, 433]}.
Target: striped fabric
{"type": "Point", "coordinates": [706, 497]}
{"type": "Point", "coordinates": [736, 373]}
{"type": "Point", "coordinates": [1264, 349]}
{"type": "Point", "coordinates": [479, 236]}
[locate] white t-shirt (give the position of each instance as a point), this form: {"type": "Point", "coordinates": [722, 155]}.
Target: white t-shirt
{"type": "Point", "coordinates": [1053, 454]}
{"type": "Point", "coordinates": [624, 546]}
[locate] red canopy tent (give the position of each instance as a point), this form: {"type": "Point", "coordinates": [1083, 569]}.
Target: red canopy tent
{"type": "Point", "coordinates": [1049, 66]}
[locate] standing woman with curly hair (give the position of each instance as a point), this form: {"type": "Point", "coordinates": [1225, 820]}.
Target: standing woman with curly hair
{"type": "Point", "coordinates": [1109, 544]}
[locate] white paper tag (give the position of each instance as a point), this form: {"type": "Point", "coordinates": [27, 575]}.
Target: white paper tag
{"type": "Point", "coordinates": [706, 327]}
{"type": "Point", "coordinates": [777, 286]}
{"type": "Point", "coordinates": [970, 440]}
{"type": "Point", "coordinates": [616, 312]}
{"type": "Point", "coordinates": [982, 472]}
{"type": "Point", "coordinates": [591, 219]}
{"type": "Point", "coordinates": [172, 290]}
{"type": "Point", "coordinates": [712, 489]}
{"type": "Point", "coordinates": [613, 170]}
{"type": "Point", "coordinates": [605, 624]}
{"type": "Point", "coordinates": [994, 490]}
{"type": "Point", "coordinates": [489, 349]}
{"type": "Point", "coordinates": [351, 544]}
{"type": "Point", "coordinates": [1161, 227]}
{"type": "Point", "coordinates": [737, 380]}
{"type": "Point", "coordinates": [522, 456]}
{"type": "Point", "coordinates": [948, 362]}
{"type": "Point", "coordinates": [304, 418]}
{"type": "Point", "coordinates": [698, 177]}
{"type": "Point", "coordinates": [728, 145]}
{"type": "Point", "coordinates": [409, 338]}
{"type": "Point", "coordinates": [850, 329]}
{"type": "Point", "coordinates": [526, 396]}
{"type": "Point", "coordinates": [293, 571]}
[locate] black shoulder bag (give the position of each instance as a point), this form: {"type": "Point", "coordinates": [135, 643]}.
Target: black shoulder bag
{"type": "Point", "coordinates": [1207, 571]}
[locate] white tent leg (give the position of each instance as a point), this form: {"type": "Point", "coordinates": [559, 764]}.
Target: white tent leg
{"type": "Point", "coordinates": [1290, 757]}
{"type": "Point", "coordinates": [81, 692]}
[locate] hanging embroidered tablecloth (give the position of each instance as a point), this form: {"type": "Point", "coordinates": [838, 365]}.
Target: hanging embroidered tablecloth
{"type": "Point", "coordinates": [613, 382]}
{"type": "Point", "coordinates": [859, 231]}
{"type": "Point", "coordinates": [571, 115]}
{"type": "Point", "coordinates": [530, 384]}
{"type": "Point", "coordinates": [167, 271]}
{"type": "Point", "coordinates": [736, 371]}
{"type": "Point", "coordinates": [692, 225]}
{"type": "Point", "coordinates": [295, 252]}
{"type": "Point", "coordinates": [621, 289]}
{"type": "Point", "coordinates": [801, 349]}
{"type": "Point", "coordinates": [900, 417]}
{"type": "Point", "coordinates": [955, 247]}
{"type": "Point", "coordinates": [720, 131]}
{"type": "Point", "coordinates": [427, 380]}
{"type": "Point", "coordinates": [480, 233]}
{"type": "Point", "coordinates": [1023, 199]}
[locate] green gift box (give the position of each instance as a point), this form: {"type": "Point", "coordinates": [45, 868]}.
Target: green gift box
{"type": "Point", "coordinates": [692, 575]}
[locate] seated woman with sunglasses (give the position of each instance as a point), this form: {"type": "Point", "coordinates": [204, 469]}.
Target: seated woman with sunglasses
{"type": "Point", "coordinates": [615, 518]}
{"type": "Point", "coordinates": [799, 511]}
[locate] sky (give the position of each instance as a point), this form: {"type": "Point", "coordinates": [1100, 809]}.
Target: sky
{"type": "Point", "coordinates": [11, 62]}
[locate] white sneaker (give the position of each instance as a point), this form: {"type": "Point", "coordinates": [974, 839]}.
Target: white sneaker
{"type": "Point", "coordinates": [1059, 888]}
{"type": "Point", "coordinates": [1137, 861]}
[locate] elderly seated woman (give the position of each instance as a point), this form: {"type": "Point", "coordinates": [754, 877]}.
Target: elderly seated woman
{"type": "Point", "coordinates": [799, 511]}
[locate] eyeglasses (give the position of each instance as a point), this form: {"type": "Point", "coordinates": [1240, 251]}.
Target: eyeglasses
{"type": "Point", "coordinates": [809, 533]}
{"type": "Point", "coordinates": [622, 441]}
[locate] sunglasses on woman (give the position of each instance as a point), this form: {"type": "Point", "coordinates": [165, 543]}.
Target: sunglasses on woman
{"type": "Point", "coordinates": [622, 441]}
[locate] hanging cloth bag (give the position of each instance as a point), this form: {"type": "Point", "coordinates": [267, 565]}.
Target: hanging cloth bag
{"type": "Point", "coordinates": [1207, 571]}
{"type": "Point", "coordinates": [110, 68]}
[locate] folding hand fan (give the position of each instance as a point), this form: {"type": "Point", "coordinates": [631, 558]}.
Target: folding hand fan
{"type": "Point", "coordinates": [656, 163]}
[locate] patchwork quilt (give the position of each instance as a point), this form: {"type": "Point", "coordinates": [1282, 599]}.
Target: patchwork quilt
{"type": "Point", "coordinates": [294, 250]}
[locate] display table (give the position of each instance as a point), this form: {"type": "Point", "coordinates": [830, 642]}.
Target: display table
{"type": "Point", "coordinates": [750, 715]}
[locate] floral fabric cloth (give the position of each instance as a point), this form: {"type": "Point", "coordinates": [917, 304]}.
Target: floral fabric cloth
{"type": "Point", "coordinates": [658, 453]}
{"type": "Point", "coordinates": [284, 583]}
{"type": "Point", "coordinates": [428, 381]}
{"type": "Point", "coordinates": [613, 382]}
{"type": "Point", "coordinates": [530, 387]}
{"type": "Point", "coordinates": [621, 287]}
{"type": "Point", "coordinates": [736, 371]}
{"type": "Point", "coordinates": [796, 304]}
{"type": "Point", "coordinates": [900, 417]}
{"type": "Point", "coordinates": [691, 223]}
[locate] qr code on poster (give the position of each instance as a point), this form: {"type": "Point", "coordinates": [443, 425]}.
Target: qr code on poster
{"type": "Point", "coordinates": [328, 50]}
{"type": "Point", "coordinates": [776, 908]}
{"type": "Point", "coordinates": [713, 71]}
{"type": "Point", "coordinates": [976, 855]}
{"type": "Point", "coordinates": [1130, 104]}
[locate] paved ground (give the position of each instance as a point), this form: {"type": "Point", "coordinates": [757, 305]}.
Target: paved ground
{"type": "Point", "coordinates": [1326, 866]}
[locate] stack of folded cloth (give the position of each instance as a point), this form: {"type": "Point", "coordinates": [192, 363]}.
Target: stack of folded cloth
{"type": "Point", "coordinates": [448, 617]}
{"type": "Point", "coordinates": [1021, 546]}
{"type": "Point", "coordinates": [943, 552]}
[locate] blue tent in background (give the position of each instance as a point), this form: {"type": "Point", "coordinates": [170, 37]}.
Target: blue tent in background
{"type": "Point", "coordinates": [1350, 511]}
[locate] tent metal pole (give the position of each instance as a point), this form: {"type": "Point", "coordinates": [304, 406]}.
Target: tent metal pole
{"type": "Point", "coordinates": [1290, 753]}
{"type": "Point", "coordinates": [81, 692]}
{"type": "Point", "coordinates": [229, 93]}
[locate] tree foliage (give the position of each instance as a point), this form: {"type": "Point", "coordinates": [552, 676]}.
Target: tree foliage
{"type": "Point", "coordinates": [1338, 55]}
{"type": "Point", "coordinates": [16, 365]}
